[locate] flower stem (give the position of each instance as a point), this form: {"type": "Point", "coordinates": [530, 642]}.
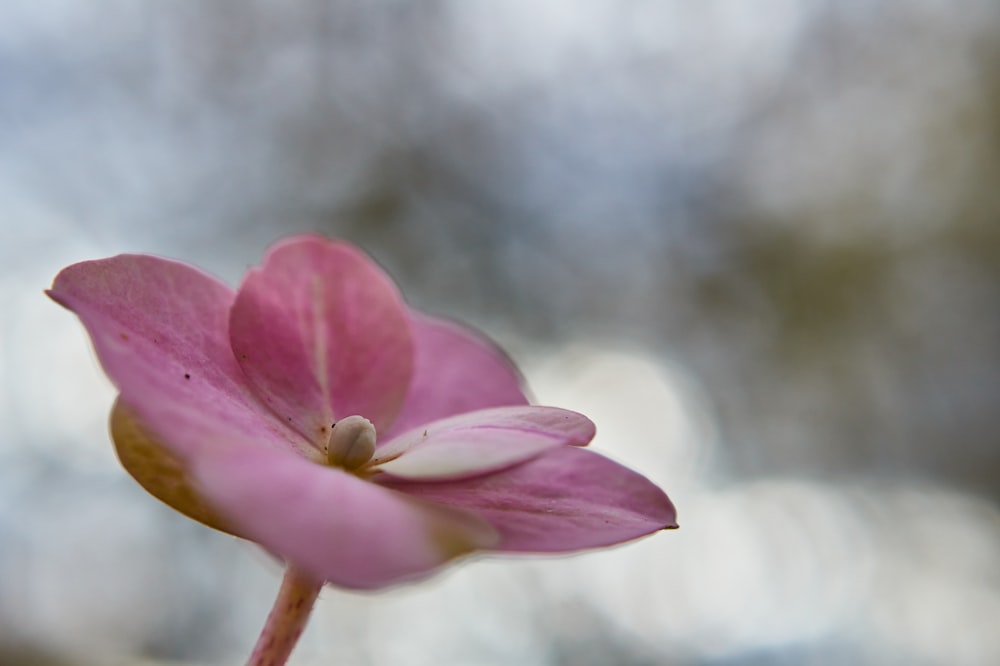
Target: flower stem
{"type": "Point", "coordinates": [287, 619]}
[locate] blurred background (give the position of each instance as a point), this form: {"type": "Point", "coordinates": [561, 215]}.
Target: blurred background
{"type": "Point", "coordinates": [758, 243]}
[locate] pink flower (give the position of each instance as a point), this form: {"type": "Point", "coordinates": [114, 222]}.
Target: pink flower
{"type": "Point", "coordinates": [313, 412]}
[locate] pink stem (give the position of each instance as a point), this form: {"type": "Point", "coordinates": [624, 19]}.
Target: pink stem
{"type": "Point", "coordinates": [286, 621]}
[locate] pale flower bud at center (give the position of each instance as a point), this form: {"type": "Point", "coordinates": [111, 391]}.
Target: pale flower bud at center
{"type": "Point", "coordinates": [351, 443]}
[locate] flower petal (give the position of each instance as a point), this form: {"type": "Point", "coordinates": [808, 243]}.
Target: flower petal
{"type": "Point", "coordinates": [160, 331]}
{"type": "Point", "coordinates": [157, 470]}
{"type": "Point", "coordinates": [480, 442]}
{"type": "Point", "coordinates": [332, 524]}
{"type": "Point", "coordinates": [564, 500]}
{"type": "Point", "coordinates": [455, 370]}
{"type": "Point", "coordinates": [321, 333]}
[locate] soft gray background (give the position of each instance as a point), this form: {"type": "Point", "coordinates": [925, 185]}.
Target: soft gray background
{"type": "Point", "coordinates": [757, 242]}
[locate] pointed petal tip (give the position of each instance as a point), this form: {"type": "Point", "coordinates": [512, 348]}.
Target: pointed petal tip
{"type": "Point", "coordinates": [567, 499]}
{"type": "Point", "coordinates": [159, 328]}
{"type": "Point", "coordinates": [51, 293]}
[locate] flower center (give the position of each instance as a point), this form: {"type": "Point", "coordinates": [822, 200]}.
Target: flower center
{"type": "Point", "coordinates": [351, 443]}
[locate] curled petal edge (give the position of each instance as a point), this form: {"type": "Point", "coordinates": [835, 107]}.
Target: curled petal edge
{"type": "Point", "coordinates": [486, 441]}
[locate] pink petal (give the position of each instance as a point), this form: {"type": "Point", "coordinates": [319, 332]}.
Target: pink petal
{"type": "Point", "coordinates": [332, 524]}
{"type": "Point", "coordinates": [455, 370]}
{"type": "Point", "coordinates": [160, 331]}
{"type": "Point", "coordinates": [481, 442]}
{"type": "Point", "coordinates": [321, 333]}
{"type": "Point", "coordinates": [564, 500]}
{"type": "Point", "coordinates": [159, 472]}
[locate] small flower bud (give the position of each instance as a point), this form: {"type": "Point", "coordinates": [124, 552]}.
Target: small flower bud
{"type": "Point", "coordinates": [351, 443]}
